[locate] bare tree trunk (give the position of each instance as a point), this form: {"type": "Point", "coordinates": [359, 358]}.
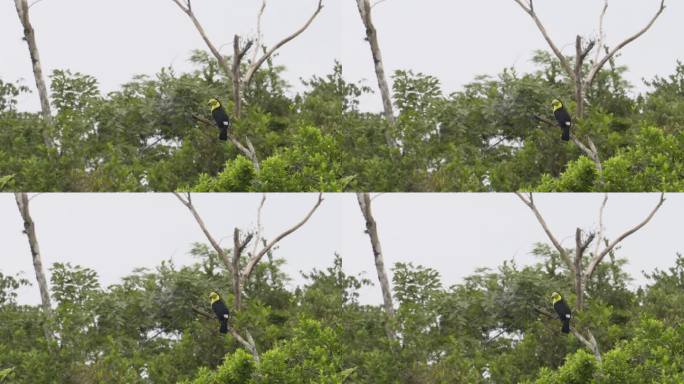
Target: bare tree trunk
{"type": "Point", "coordinates": [30, 231]}
{"type": "Point", "coordinates": [30, 38]}
{"type": "Point", "coordinates": [372, 37]}
{"type": "Point", "coordinates": [236, 269]}
{"type": "Point", "coordinates": [236, 76]}
{"type": "Point", "coordinates": [578, 270]}
{"type": "Point", "coordinates": [372, 231]}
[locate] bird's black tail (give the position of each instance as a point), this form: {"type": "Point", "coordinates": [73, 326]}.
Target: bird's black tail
{"type": "Point", "coordinates": [566, 133]}
{"type": "Point", "coordinates": [566, 326]}
{"type": "Point", "coordinates": [224, 134]}
{"type": "Point", "coordinates": [224, 326]}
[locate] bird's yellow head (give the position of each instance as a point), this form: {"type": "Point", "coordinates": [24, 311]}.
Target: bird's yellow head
{"type": "Point", "coordinates": [557, 104]}
{"type": "Point", "coordinates": [555, 297]}
{"type": "Point", "coordinates": [214, 103]}
{"type": "Point", "coordinates": [214, 297]}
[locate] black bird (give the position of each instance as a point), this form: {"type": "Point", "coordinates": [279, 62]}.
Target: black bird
{"type": "Point", "coordinates": [221, 311]}
{"type": "Point", "coordinates": [563, 118]}
{"type": "Point", "coordinates": [220, 117]}
{"type": "Point", "coordinates": [562, 310]}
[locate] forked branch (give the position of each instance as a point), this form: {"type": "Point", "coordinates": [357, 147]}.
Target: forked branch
{"type": "Point", "coordinates": [254, 259]}
{"type": "Point", "coordinates": [598, 257]}
{"type": "Point", "coordinates": [598, 65]}
{"type": "Point", "coordinates": [255, 65]}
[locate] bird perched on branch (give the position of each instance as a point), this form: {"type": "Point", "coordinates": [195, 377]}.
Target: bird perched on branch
{"type": "Point", "coordinates": [221, 311]}
{"type": "Point", "coordinates": [220, 117]}
{"type": "Point", "coordinates": [562, 117]}
{"type": "Point", "coordinates": [562, 310]}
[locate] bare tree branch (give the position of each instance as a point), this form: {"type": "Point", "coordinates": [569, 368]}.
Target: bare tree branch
{"type": "Point", "coordinates": [593, 154]}
{"type": "Point", "coordinates": [590, 343]}
{"type": "Point", "coordinates": [372, 38]}
{"type": "Point", "coordinates": [254, 259]}
{"type": "Point", "coordinates": [237, 251]}
{"type": "Point", "coordinates": [34, 3]}
{"type": "Point", "coordinates": [30, 38]}
{"type": "Point", "coordinates": [187, 202]}
{"type": "Point", "coordinates": [377, 3]}
{"type": "Point", "coordinates": [580, 248]}
{"type": "Point", "coordinates": [187, 9]}
{"type": "Point", "coordinates": [597, 66]}
{"type": "Point", "coordinates": [257, 236]}
{"type": "Point", "coordinates": [250, 347]}
{"type": "Point", "coordinates": [559, 55]}
{"type": "Point", "coordinates": [238, 54]}
{"type": "Point", "coordinates": [255, 65]}
{"type": "Point", "coordinates": [372, 231]}
{"type": "Point", "coordinates": [257, 42]}
{"type": "Point", "coordinates": [249, 151]}
{"type": "Point", "coordinates": [598, 257]}
{"type": "Point", "coordinates": [601, 34]}
{"type": "Point", "coordinates": [563, 253]}
{"type": "Point", "coordinates": [601, 228]}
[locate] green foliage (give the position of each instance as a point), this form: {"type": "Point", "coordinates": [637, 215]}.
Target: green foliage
{"type": "Point", "coordinates": [652, 355]}
{"type": "Point", "coordinates": [312, 355]}
{"type": "Point", "coordinates": [310, 163]}
{"type": "Point", "coordinates": [489, 135]}
{"type": "Point", "coordinates": [487, 329]}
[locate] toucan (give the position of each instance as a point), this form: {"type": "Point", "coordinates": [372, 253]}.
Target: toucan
{"type": "Point", "coordinates": [220, 117]}
{"type": "Point", "coordinates": [562, 310]}
{"type": "Point", "coordinates": [562, 117]}
{"type": "Point", "coordinates": [221, 311]}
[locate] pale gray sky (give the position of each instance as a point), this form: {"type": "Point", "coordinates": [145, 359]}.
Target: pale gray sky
{"type": "Point", "coordinates": [453, 233]}
{"type": "Point", "coordinates": [454, 40]}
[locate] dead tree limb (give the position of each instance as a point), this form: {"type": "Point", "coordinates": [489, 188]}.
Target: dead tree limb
{"type": "Point", "coordinates": [596, 67]}
{"type": "Point", "coordinates": [248, 150]}
{"type": "Point", "coordinates": [30, 38]}
{"type": "Point", "coordinates": [580, 248]}
{"type": "Point", "coordinates": [372, 231]}
{"type": "Point", "coordinates": [589, 342]}
{"type": "Point", "coordinates": [257, 39]}
{"type": "Point", "coordinates": [255, 65]}
{"type": "Point", "coordinates": [364, 7]}
{"type": "Point", "coordinates": [257, 235]}
{"type": "Point", "coordinates": [186, 7]}
{"type": "Point", "coordinates": [30, 231]}
{"type": "Point", "coordinates": [254, 259]}
{"type": "Point", "coordinates": [187, 202]}
{"type": "Point", "coordinates": [251, 347]}
{"type": "Point", "coordinates": [238, 54]}
{"type": "Point", "coordinates": [600, 255]}
{"type": "Point", "coordinates": [563, 253]}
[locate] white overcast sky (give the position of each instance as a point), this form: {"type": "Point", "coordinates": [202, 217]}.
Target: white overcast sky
{"type": "Point", "coordinates": [453, 233]}
{"type": "Point", "coordinates": [454, 40]}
